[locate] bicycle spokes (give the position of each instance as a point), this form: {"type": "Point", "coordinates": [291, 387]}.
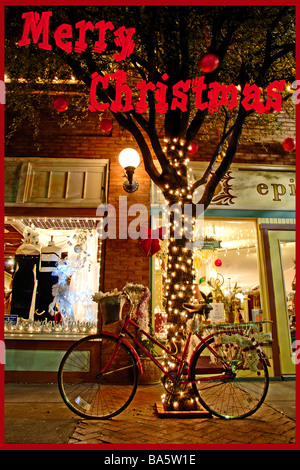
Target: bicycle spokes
{"type": "Point", "coordinates": [224, 382]}
{"type": "Point", "coordinates": [91, 393]}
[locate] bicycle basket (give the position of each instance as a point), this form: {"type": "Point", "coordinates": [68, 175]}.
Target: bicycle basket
{"type": "Point", "coordinates": [111, 307]}
{"type": "Point", "coordinates": [250, 334]}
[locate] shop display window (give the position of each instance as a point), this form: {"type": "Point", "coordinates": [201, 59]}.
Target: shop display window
{"type": "Point", "coordinates": [226, 271]}
{"type": "Point", "coordinates": [52, 270]}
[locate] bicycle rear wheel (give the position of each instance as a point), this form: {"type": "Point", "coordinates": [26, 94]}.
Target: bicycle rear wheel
{"type": "Point", "coordinates": [85, 390]}
{"type": "Point", "coordinates": [234, 397]}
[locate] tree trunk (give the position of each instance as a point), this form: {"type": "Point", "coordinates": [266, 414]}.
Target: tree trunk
{"type": "Point", "coordinates": [180, 273]}
{"type": "Point", "coordinates": [180, 277]}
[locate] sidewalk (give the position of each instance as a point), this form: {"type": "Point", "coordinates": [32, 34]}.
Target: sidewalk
{"type": "Point", "coordinates": [35, 414]}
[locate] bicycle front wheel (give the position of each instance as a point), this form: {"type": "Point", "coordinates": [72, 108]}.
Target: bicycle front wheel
{"type": "Point", "coordinates": [90, 393]}
{"type": "Point", "coordinates": [228, 388]}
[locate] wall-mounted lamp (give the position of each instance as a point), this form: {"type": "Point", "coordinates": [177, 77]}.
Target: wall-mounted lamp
{"type": "Point", "coordinates": [129, 159]}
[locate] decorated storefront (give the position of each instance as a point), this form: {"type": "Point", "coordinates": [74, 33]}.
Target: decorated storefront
{"type": "Point", "coordinates": [245, 265]}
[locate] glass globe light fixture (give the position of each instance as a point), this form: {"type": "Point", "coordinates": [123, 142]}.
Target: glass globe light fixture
{"type": "Point", "coordinates": [129, 159]}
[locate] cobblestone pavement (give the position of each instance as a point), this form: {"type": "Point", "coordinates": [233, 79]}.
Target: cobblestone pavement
{"type": "Point", "coordinates": [139, 424]}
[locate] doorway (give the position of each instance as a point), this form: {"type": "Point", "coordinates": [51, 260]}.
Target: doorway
{"type": "Point", "coordinates": [280, 253]}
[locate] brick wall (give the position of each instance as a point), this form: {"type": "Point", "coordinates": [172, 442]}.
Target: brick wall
{"type": "Point", "coordinates": [258, 144]}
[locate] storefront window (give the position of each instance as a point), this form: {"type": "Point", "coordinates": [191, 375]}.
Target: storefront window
{"type": "Point", "coordinates": [52, 270]}
{"type": "Point", "coordinates": [289, 272]}
{"type": "Point", "coordinates": [226, 271]}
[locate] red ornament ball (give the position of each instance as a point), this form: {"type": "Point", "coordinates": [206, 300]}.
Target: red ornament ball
{"type": "Point", "coordinates": [106, 125]}
{"type": "Point", "coordinates": [60, 103]}
{"type": "Point", "coordinates": [193, 148]}
{"type": "Point", "coordinates": [208, 62]}
{"type": "Point", "coordinates": [218, 262]}
{"type": "Point", "coordinates": [289, 144]}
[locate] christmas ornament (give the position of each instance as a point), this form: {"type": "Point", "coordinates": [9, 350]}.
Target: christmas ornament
{"type": "Point", "coordinates": [289, 144]}
{"type": "Point", "coordinates": [106, 125]}
{"type": "Point", "coordinates": [150, 240]}
{"type": "Point", "coordinates": [208, 63]}
{"type": "Point", "coordinates": [193, 147]}
{"type": "Point", "coordinates": [218, 262]}
{"type": "Point", "coordinates": [60, 103]}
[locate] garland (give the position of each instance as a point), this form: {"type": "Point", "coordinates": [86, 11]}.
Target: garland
{"type": "Point", "coordinates": [242, 347]}
{"type": "Point", "coordinates": [139, 296]}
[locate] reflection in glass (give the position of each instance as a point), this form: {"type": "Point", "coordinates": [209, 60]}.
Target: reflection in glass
{"type": "Point", "coordinates": [288, 266]}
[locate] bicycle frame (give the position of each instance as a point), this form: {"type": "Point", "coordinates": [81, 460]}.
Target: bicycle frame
{"type": "Point", "coordinates": [182, 365]}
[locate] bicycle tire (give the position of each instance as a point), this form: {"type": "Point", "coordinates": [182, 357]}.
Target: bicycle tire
{"type": "Point", "coordinates": [235, 398]}
{"type": "Point", "coordinates": [90, 394]}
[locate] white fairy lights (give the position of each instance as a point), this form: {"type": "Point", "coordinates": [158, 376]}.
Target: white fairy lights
{"type": "Point", "coordinates": [179, 279]}
{"type": "Point", "coordinates": [180, 226]}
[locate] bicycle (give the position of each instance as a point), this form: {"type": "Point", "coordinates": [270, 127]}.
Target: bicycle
{"type": "Point", "coordinates": [227, 369]}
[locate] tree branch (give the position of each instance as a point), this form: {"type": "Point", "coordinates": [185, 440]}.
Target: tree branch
{"type": "Point", "coordinates": [213, 160]}
{"type": "Point", "coordinates": [226, 162]}
{"type": "Point", "coordinates": [125, 120]}
{"type": "Point", "coordinates": [221, 51]}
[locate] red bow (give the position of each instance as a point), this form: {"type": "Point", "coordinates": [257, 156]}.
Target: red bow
{"type": "Point", "coordinates": [150, 243]}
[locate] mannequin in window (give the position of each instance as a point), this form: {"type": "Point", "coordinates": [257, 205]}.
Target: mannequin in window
{"type": "Point", "coordinates": [27, 259]}
{"type": "Point", "coordinates": [48, 263]}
